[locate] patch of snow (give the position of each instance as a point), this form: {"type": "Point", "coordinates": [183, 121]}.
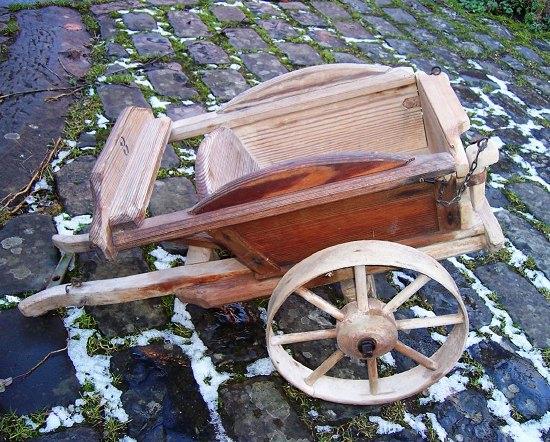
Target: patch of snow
{"type": "Point", "coordinates": [439, 430]}
{"type": "Point", "coordinates": [163, 259]}
{"type": "Point", "coordinates": [415, 422]}
{"type": "Point", "coordinates": [322, 429]}
{"type": "Point", "coordinates": [261, 367]}
{"type": "Point", "coordinates": [101, 121]}
{"type": "Point", "coordinates": [384, 426]}
{"type": "Point", "coordinates": [387, 358]}
{"type": "Point", "coordinates": [67, 225]}
{"type": "Point", "coordinates": [156, 103]}
{"type": "Point", "coordinates": [420, 312]}
{"type": "Point", "coordinates": [445, 387]}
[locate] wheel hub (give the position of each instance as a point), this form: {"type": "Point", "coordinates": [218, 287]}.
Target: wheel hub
{"type": "Point", "coordinates": [367, 334]}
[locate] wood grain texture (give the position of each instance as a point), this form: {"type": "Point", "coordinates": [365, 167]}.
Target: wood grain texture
{"type": "Point", "coordinates": [302, 81]}
{"type": "Point", "coordinates": [108, 170]}
{"type": "Point", "coordinates": [395, 215]}
{"type": "Point", "coordinates": [215, 283]}
{"type": "Point", "coordinates": [221, 159]}
{"type": "Point", "coordinates": [320, 97]}
{"type": "Point", "coordinates": [136, 184]}
{"type": "Point", "coordinates": [180, 224]}
{"type": "Point", "coordinates": [302, 173]}
{"type": "Point", "coordinates": [444, 117]}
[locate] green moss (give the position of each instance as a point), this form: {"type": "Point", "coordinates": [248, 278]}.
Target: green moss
{"type": "Point", "coordinates": [100, 345]}
{"type": "Point", "coordinates": [11, 28]}
{"type": "Point", "coordinates": [168, 304]}
{"type": "Point", "coordinates": [431, 434]}
{"type": "Point", "coordinates": [84, 109]}
{"type": "Point", "coordinates": [123, 38]}
{"type": "Point", "coordinates": [394, 412]}
{"type": "Point", "coordinates": [180, 330]}
{"type": "Point", "coordinates": [113, 430]}
{"type": "Point", "coordinates": [15, 428]}
{"type": "Point", "coordinates": [92, 410]}
{"type": "Point", "coordinates": [476, 371]}
{"type": "Point", "coordinates": [546, 356]}
{"type": "Point", "coordinates": [545, 292]}
{"type": "Point", "coordinates": [126, 79]}
{"type": "Point", "coordinates": [86, 321]}
{"type": "Point", "coordinates": [91, 24]}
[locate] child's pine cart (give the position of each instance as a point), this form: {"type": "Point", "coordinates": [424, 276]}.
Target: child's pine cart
{"type": "Point", "coordinates": [325, 174]}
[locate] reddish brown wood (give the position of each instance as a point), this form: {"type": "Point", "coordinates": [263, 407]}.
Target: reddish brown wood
{"type": "Point", "coordinates": [299, 174]}
{"type": "Point", "coordinates": [260, 264]}
{"type": "Point", "coordinates": [182, 223]}
{"type": "Point", "coordinates": [395, 215]}
{"type": "Point", "coordinates": [448, 216]}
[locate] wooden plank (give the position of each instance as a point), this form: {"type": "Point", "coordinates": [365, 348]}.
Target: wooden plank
{"type": "Point", "coordinates": [393, 215]}
{"type": "Point", "coordinates": [299, 174]}
{"type": "Point", "coordinates": [260, 264]}
{"type": "Point", "coordinates": [302, 81]}
{"type": "Point", "coordinates": [182, 223]}
{"type": "Point", "coordinates": [136, 184]}
{"type": "Point", "coordinates": [221, 158]}
{"type": "Point", "coordinates": [210, 284]}
{"type": "Point", "coordinates": [109, 167]}
{"type": "Point", "coordinates": [378, 122]}
{"type": "Point", "coordinates": [444, 117]}
{"type": "Point", "coordinates": [201, 124]}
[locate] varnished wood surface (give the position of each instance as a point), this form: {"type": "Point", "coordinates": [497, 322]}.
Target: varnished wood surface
{"type": "Point", "coordinates": [299, 174]}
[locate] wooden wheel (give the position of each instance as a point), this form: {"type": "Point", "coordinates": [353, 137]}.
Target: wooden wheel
{"type": "Point", "coordinates": [366, 327]}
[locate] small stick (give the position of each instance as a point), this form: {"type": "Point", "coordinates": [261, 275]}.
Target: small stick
{"type": "Point", "coordinates": [44, 359]}
{"type": "Point", "coordinates": [35, 91]}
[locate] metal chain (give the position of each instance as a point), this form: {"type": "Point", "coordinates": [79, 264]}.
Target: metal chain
{"type": "Point", "coordinates": [481, 145]}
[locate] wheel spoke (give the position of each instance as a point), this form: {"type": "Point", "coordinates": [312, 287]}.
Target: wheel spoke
{"type": "Point", "coordinates": [372, 369]}
{"type": "Point", "coordinates": [327, 364]}
{"type": "Point", "coordinates": [319, 302]}
{"type": "Point", "coordinates": [434, 321]}
{"type": "Point", "coordinates": [291, 338]}
{"type": "Point", "coordinates": [371, 286]}
{"type": "Point", "coordinates": [361, 292]}
{"type": "Point", "coordinates": [406, 293]}
{"type": "Point", "coordinates": [416, 356]}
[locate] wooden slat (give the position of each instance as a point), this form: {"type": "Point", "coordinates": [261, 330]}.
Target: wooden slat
{"type": "Point", "coordinates": [378, 122]}
{"type": "Point", "coordinates": [221, 158]}
{"type": "Point", "coordinates": [293, 338]}
{"type": "Point", "coordinates": [299, 174]}
{"type": "Point", "coordinates": [201, 124]}
{"type": "Point", "coordinates": [211, 284]}
{"type": "Point", "coordinates": [136, 184]}
{"type": "Point", "coordinates": [108, 169]}
{"type": "Point", "coordinates": [302, 81]}
{"type": "Point", "coordinates": [444, 117]}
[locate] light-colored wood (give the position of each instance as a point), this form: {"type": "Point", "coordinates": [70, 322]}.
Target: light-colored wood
{"type": "Point", "coordinates": [302, 81]}
{"type": "Point", "coordinates": [373, 254]}
{"type": "Point", "coordinates": [320, 303]}
{"type": "Point", "coordinates": [444, 117]}
{"type": "Point", "coordinates": [372, 369]}
{"type": "Point", "coordinates": [196, 255]}
{"type": "Point", "coordinates": [135, 186]}
{"type": "Point", "coordinates": [493, 231]}
{"type": "Point", "coordinates": [201, 124]}
{"type": "Point", "coordinates": [325, 366]}
{"type": "Point", "coordinates": [221, 158]}
{"type": "Point", "coordinates": [223, 282]}
{"type": "Point", "coordinates": [415, 355]}
{"type": "Point", "coordinates": [292, 338]}
{"type": "Point", "coordinates": [406, 293]}
{"type": "Point", "coordinates": [432, 321]}
{"type": "Point", "coordinates": [109, 168]}
{"type": "Point", "coordinates": [361, 291]}
{"type": "Point", "coordinates": [487, 157]}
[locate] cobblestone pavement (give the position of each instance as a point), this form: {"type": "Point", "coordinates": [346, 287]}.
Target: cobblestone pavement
{"type": "Point", "coordinates": [159, 370]}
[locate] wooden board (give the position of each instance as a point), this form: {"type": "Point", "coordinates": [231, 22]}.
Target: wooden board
{"type": "Point", "coordinates": [444, 117]}
{"type": "Point", "coordinates": [302, 81]}
{"type": "Point", "coordinates": [299, 174]}
{"type": "Point", "coordinates": [124, 174]}
{"type": "Point", "coordinates": [394, 215]}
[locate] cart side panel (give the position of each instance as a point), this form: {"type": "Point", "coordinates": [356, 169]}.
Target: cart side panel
{"type": "Point", "coordinates": [401, 214]}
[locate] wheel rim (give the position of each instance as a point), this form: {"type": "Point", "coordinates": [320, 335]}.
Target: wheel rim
{"type": "Point", "coordinates": [367, 324]}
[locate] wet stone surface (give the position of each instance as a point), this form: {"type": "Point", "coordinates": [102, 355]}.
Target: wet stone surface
{"type": "Point", "coordinates": [73, 185]}
{"type": "Point", "coordinates": [245, 39]}
{"type": "Point", "coordinates": [256, 409]}
{"type": "Point", "coordinates": [161, 395]}
{"type": "Point", "coordinates": [530, 310]}
{"type": "Point", "coordinates": [207, 53]}
{"type": "Point", "coordinates": [264, 66]}
{"type": "Point", "coordinates": [139, 21]}
{"type": "Point", "coordinates": [152, 44]}
{"type": "Point", "coordinates": [228, 13]}
{"type": "Point", "coordinates": [76, 434]}
{"type": "Point", "coordinates": [171, 82]}
{"type": "Point", "coordinates": [514, 376]}
{"type": "Point", "coordinates": [187, 24]}
{"type": "Point", "coordinates": [27, 256]}
{"type": "Point", "coordinates": [225, 83]}
{"type": "Point", "coordinates": [115, 97]}
{"type": "Point", "coordinates": [301, 54]}
{"type": "Point", "coordinates": [25, 341]}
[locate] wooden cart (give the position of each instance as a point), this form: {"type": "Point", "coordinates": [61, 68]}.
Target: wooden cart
{"type": "Point", "coordinates": [324, 174]}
